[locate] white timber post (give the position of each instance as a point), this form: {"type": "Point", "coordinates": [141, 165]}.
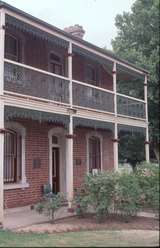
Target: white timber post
{"type": "Point", "coordinates": [115, 146]}
{"type": "Point", "coordinates": [69, 171]}
{"type": "Point", "coordinates": [2, 38]}
{"type": "Point", "coordinates": [147, 129]}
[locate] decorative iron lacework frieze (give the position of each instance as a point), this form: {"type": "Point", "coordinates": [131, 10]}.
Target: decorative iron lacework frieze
{"type": "Point", "coordinates": [20, 25]}
{"type": "Point", "coordinates": [92, 57]}
{"type": "Point", "coordinates": [82, 122]}
{"type": "Point", "coordinates": [14, 112]}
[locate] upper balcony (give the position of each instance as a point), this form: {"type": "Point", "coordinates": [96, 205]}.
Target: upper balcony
{"type": "Point", "coordinates": [38, 65]}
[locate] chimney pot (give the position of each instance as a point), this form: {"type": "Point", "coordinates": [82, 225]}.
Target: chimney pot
{"type": "Point", "coordinates": [76, 31]}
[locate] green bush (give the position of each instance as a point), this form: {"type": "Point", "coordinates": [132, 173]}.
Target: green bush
{"type": "Point", "coordinates": [148, 177]}
{"type": "Point", "coordinates": [81, 202]}
{"type": "Point", "coordinates": [50, 204]}
{"type": "Point", "coordinates": [100, 189]}
{"type": "Point", "coordinates": [127, 199]}
{"type": "Point", "coordinates": [127, 192]}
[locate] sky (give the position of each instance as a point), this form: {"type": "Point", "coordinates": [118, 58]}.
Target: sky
{"type": "Point", "coordinates": [96, 16]}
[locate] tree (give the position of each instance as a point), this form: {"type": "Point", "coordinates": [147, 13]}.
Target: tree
{"type": "Point", "coordinates": [138, 42]}
{"type": "Point", "coordinates": [130, 148]}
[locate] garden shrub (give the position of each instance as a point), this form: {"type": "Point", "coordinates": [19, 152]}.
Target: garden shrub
{"type": "Point", "coordinates": [127, 199]}
{"type": "Point", "coordinates": [100, 188]}
{"type": "Point", "coordinates": [81, 202]}
{"type": "Point", "coordinates": [148, 177]}
{"type": "Point", "coordinates": [127, 192]}
{"type": "Point", "coordinates": [49, 204]}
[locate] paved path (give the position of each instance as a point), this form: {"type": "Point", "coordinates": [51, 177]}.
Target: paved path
{"type": "Point", "coordinates": [24, 216]}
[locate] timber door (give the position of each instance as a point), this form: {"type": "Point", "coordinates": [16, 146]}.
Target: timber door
{"type": "Point", "coordinates": [55, 169]}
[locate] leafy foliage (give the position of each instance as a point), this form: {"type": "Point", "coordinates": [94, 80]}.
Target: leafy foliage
{"type": "Point", "coordinates": [131, 148]}
{"type": "Point", "coordinates": [138, 42]}
{"type": "Point", "coordinates": [50, 204]}
{"type": "Point", "coordinates": [122, 192]}
{"type": "Point", "coordinates": [127, 194]}
{"type": "Point", "coordinates": [148, 176]}
{"type": "Point", "coordinates": [81, 202]}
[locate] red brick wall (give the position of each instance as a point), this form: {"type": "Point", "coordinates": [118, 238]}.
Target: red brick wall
{"type": "Point", "coordinates": [37, 146]}
{"type": "Point", "coordinates": [80, 152]}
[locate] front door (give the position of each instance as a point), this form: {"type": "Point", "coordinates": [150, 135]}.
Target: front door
{"type": "Point", "coordinates": [55, 169]}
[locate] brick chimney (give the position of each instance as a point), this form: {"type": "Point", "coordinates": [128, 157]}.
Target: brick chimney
{"type": "Point", "coordinates": [76, 30]}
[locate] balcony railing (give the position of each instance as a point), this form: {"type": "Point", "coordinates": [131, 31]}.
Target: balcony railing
{"type": "Point", "coordinates": [25, 80]}
{"type": "Point", "coordinates": [128, 106]}
{"type": "Point", "coordinates": [33, 82]}
{"type": "Point", "coordinates": [92, 97]}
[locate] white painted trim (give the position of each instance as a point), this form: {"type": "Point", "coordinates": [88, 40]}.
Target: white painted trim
{"type": "Point", "coordinates": [2, 41]}
{"type": "Point", "coordinates": [17, 127]}
{"type": "Point", "coordinates": [131, 117]}
{"type": "Point", "coordinates": [147, 154]}
{"type": "Point", "coordinates": [16, 186]}
{"type": "Point", "coordinates": [2, 37]}
{"type": "Point", "coordinates": [92, 109]}
{"type": "Point", "coordinates": [69, 164]}
{"type": "Point", "coordinates": [60, 133]}
{"type": "Point", "coordinates": [28, 97]}
{"type": "Point", "coordinates": [70, 73]}
{"type": "Point", "coordinates": [36, 69]}
{"type": "Point", "coordinates": [131, 97]}
{"type": "Point", "coordinates": [115, 147]}
{"type": "Point", "coordinates": [98, 135]}
{"type": "Point", "coordinates": [63, 37]}
{"type": "Point", "coordinates": [83, 113]}
{"type": "Point", "coordinates": [115, 87]}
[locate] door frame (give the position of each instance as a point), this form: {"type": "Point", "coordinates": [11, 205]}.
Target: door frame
{"type": "Point", "coordinates": [52, 147]}
{"type": "Point", "coordinates": [60, 134]}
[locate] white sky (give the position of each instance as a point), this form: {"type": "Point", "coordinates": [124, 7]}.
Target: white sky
{"type": "Point", "coordinates": [96, 16]}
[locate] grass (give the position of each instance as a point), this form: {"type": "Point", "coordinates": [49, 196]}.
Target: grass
{"type": "Point", "coordinates": [80, 239]}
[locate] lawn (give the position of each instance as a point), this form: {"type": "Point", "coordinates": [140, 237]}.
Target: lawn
{"type": "Point", "coordinates": [81, 239]}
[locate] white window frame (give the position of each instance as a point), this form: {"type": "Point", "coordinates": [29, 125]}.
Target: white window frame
{"type": "Point", "coordinates": [97, 135]}
{"type": "Point", "coordinates": [17, 127]}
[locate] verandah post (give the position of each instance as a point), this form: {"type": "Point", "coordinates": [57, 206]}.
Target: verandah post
{"type": "Point", "coordinates": [2, 38]}
{"type": "Point", "coordinates": [69, 171]}
{"type": "Point", "coordinates": [115, 144]}
{"type": "Point", "coordinates": [147, 130]}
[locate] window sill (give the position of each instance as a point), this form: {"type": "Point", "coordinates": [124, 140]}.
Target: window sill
{"type": "Point", "coordinates": [16, 186]}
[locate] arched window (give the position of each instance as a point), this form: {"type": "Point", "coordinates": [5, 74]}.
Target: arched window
{"type": "Point", "coordinates": [94, 146]}
{"type": "Point", "coordinates": [12, 157]}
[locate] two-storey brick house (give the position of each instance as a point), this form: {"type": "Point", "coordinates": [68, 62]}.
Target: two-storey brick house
{"type": "Point", "coordinates": [60, 111]}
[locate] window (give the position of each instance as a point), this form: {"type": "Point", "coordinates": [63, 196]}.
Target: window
{"type": "Point", "coordinates": [56, 65]}
{"type": "Point", "coordinates": [94, 153]}
{"type": "Point", "coordinates": [11, 47]}
{"type": "Point", "coordinates": [91, 74]}
{"type": "Point", "coordinates": [12, 157]}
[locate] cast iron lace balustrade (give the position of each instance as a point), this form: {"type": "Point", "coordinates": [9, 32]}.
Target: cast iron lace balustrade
{"type": "Point", "coordinates": [30, 82]}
